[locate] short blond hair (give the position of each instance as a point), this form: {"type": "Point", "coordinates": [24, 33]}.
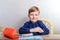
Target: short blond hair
{"type": "Point", "coordinates": [33, 9]}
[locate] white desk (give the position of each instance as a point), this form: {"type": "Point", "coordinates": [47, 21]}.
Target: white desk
{"type": "Point", "coordinates": [46, 37]}
{"type": "Point", "coordinates": [51, 37]}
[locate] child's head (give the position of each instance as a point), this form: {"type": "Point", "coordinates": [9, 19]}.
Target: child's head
{"type": "Point", "coordinates": [33, 13]}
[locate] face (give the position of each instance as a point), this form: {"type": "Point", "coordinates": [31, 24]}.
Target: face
{"type": "Point", "coordinates": [33, 16]}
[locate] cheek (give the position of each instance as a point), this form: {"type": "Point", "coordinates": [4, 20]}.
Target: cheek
{"type": "Point", "coordinates": [36, 17]}
{"type": "Point", "coordinates": [31, 17]}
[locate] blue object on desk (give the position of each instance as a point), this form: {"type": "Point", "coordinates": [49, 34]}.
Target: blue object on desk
{"type": "Point", "coordinates": [30, 38]}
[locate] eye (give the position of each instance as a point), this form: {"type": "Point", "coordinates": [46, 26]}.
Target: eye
{"type": "Point", "coordinates": [36, 14]}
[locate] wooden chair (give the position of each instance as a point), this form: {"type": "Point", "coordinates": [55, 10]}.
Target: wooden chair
{"type": "Point", "coordinates": [48, 24]}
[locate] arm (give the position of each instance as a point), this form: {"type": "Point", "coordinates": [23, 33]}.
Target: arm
{"type": "Point", "coordinates": [46, 30]}
{"type": "Point", "coordinates": [24, 29]}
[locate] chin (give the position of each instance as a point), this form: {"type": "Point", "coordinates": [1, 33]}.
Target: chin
{"type": "Point", "coordinates": [34, 20]}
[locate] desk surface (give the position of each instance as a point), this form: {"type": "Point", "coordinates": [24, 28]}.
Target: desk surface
{"type": "Point", "coordinates": [46, 37]}
{"type": "Point", "coordinates": [51, 37]}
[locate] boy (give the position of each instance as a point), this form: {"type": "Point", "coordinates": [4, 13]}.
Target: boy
{"type": "Point", "coordinates": [33, 26]}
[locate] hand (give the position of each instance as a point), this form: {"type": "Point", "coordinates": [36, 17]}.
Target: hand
{"type": "Point", "coordinates": [37, 29]}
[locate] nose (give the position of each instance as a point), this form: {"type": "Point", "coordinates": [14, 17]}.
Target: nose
{"type": "Point", "coordinates": [33, 16]}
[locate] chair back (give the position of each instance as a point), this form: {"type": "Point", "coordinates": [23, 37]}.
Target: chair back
{"type": "Point", "coordinates": [48, 24]}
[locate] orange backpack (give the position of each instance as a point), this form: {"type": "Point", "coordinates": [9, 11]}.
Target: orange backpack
{"type": "Point", "coordinates": [11, 33]}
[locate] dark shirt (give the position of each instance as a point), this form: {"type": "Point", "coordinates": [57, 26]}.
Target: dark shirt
{"type": "Point", "coordinates": [29, 25]}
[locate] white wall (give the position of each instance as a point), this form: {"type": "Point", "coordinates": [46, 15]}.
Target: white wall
{"type": "Point", "coordinates": [13, 13]}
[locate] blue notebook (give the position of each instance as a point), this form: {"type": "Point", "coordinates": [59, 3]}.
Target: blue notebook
{"type": "Point", "coordinates": [30, 38]}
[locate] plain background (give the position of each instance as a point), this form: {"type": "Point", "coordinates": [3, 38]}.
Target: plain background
{"type": "Point", "coordinates": [13, 13]}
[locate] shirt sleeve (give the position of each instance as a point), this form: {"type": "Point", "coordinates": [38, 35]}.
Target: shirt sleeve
{"type": "Point", "coordinates": [24, 29]}
{"type": "Point", "coordinates": [45, 29]}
